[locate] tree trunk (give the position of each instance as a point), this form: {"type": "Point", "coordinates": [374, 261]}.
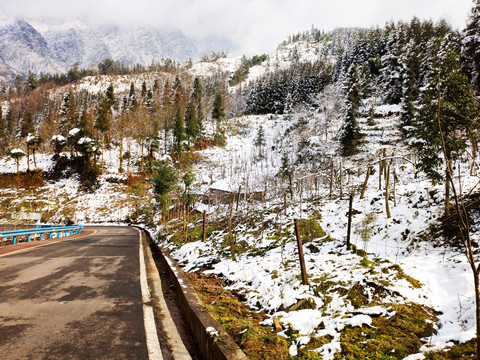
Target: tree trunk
{"type": "Point", "coordinates": [447, 188]}
{"type": "Point", "coordinates": [28, 158]}
{"type": "Point", "coordinates": [362, 194]}
{"type": "Point", "coordinates": [120, 167]}
{"type": "Point", "coordinates": [290, 179]}
{"type": "Point", "coordinates": [34, 160]}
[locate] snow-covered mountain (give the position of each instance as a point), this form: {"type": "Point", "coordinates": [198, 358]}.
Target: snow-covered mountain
{"type": "Point", "coordinates": [24, 49]}
{"type": "Point", "coordinates": [75, 42]}
{"type": "Point", "coordinates": [50, 49]}
{"type": "Point", "coordinates": [144, 44]}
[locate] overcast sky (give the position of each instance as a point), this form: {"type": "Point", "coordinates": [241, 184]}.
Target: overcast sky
{"type": "Point", "coordinates": [257, 26]}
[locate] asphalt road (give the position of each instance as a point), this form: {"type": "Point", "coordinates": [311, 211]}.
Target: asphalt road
{"type": "Point", "coordinates": [75, 299]}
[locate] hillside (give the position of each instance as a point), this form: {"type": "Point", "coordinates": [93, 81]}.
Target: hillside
{"type": "Point", "coordinates": [258, 143]}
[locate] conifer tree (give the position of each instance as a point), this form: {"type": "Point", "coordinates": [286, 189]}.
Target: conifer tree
{"type": "Point", "coordinates": [471, 45]}
{"type": "Point", "coordinates": [218, 110]}
{"type": "Point", "coordinates": [197, 95]}
{"type": "Point", "coordinates": [446, 105]}
{"type": "Point", "coordinates": [410, 91]}
{"type": "Point", "coordinates": [191, 125]}
{"type": "Point", "coordinates": [350, 132]}
{"type": "Point", "coordinates": [132, 98]}
{"type": "Point", "coordinates": [179, 131]}
{"type": "Point", "coordinates": [68, 113]}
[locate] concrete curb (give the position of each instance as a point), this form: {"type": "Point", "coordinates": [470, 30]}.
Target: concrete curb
{"type": "Point", "coordinates": [213, 347]}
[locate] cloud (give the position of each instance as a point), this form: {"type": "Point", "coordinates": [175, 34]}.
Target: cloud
{"type": "Point", "coordinates": [257, 26]}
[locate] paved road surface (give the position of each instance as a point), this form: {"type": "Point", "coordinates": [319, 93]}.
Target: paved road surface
{"type": "Point", "coordinates": [75, 299]}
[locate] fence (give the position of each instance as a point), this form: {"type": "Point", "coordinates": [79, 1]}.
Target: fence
{"type": "Point", "coordinates": [40, 231]}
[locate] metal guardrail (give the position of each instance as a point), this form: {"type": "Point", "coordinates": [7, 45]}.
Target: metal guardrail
{"type": "Point", "coordinates": [51, 230]}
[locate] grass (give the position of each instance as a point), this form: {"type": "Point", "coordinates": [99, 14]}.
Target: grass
{"type": "Point", "coordinates": [241, 323]}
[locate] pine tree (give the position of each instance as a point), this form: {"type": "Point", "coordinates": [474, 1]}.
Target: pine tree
{"type": "Point", "coordinates": [68, 113]}
{"type": "Point", "coordinates": [143, 92]}
{"type": "Point", "coordinates": [218, 110]}
{"type": "Point", "coordinates": [410, 91]}
{"type": "Point", "coordinates": [191, 125]}
{"type": "Point", "coordinates": [443, 123]}
{"type": "Point", "coordinates": [132, 98]}
{"type": "Point", "coordinates": [179, 131]}
{"type": "Point", "coordinates": [197, 95]}
{"type": "Point", "coordinates": [350, 132]}
{"type": "Point", "coordinates": [260, 140]}
{"type": "Point", "coordinates": [471, 45]}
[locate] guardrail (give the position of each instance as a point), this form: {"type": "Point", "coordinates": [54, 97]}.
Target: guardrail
{"type": "Point", "coordinates": [51, 230]}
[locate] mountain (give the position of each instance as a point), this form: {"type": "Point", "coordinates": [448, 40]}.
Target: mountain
{"type": "Point", "coordinates": [144, 44]}
{"type": "Point", "coordinates": [40, 47]}
{"type": "Point", "coordinates": [24, 49]}
{"type": "Point", "coordinates": [75, 42]}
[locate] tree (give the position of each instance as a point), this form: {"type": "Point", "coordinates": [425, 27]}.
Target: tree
{"type": "Point", "coordinates": [58, 144]}
{"type": "Point", "coordinates": [446, 104]}
{"type": "Point", "coordinates": [179, 130]}
{"type": "Point", "coordinates": [410, 91]}
{"type": "Point", "coordinates": [33, 142]}
{"type": "Point", "coordinates": [17, 154]}
{"type": "Point", "coordinates": [32, 80]}
{"type": "Point", "coordinates": [164, 181]}
{"type": "Point", "coordinates": [260, 140]}
{"type": "Point", "coordinates": [68, 113]}
{"type": "Point", "coordinates": [350, 132]}
{"type": "Point", "coordinates": [471, 45]}
{"type": "Point", "coordinates": [132, 99]}
{"type": "Point", "coordinates": [196, 98]}
{"type": "Point", "coordinates": [218, 110]}
{"type": "Point", "coordinates": [191, 124]}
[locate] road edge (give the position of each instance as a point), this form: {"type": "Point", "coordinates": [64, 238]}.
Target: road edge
{"type": "Point", "coordinates": [212, 339]}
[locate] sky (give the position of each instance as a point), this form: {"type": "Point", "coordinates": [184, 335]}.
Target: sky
{"type": "Point", "coordinates": [256, 26]}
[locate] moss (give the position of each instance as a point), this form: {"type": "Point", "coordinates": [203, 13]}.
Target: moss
{"type": "Point", "coordinates": [241, 323]}
{"type": "Point", "coordinates": [401, 275]}
{"type": "Point", "coordinates": [389, 338]}
{"type": "Point", "coordinates": [310, 230]}
{"type": "Point", "coordinates": [460, 351]}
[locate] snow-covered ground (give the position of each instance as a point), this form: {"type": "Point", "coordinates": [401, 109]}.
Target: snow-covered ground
{"type": "Point", "coordinates": [270, 281]}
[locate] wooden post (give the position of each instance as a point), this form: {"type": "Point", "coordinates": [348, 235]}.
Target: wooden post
{"type": "Point", "coordinates": [380, 163]}
{"type": "Point", "coordinates": [300, 254]}
{"type": "Point", "coordinates": [340, 178]}
{"type": "Point", "coordinates": [230, 235]}
{"type": "Point", "coordinates": [204, 232]}
{"type": "Point", "coordinates": [349, 225]}
{"type": "Point", "coordinates": [387, 185]}
{"type": "Point", "coordinates": [362, 195]}
{"type": "Point", "coordinates": [331, 180]}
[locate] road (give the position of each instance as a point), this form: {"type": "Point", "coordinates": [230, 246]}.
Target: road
{"type": "Point", "coordinates": [79, 298]}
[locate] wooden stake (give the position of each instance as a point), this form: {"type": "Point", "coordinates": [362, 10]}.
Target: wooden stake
{"type": "Point", "coordinates": [204, 232]}
{"type": "Point", "coordinates": [230, 235]}
{"type": "Point", "coordinates": [387, 188]}
{"type": "Point", "coordinates": [331, 181]}
{"type": "Point", "coordinates": [362, 194]}
{"type": "Point", "coordinates": [300, 254]}
{"type": "Point", "coordinates": [349, 224]}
